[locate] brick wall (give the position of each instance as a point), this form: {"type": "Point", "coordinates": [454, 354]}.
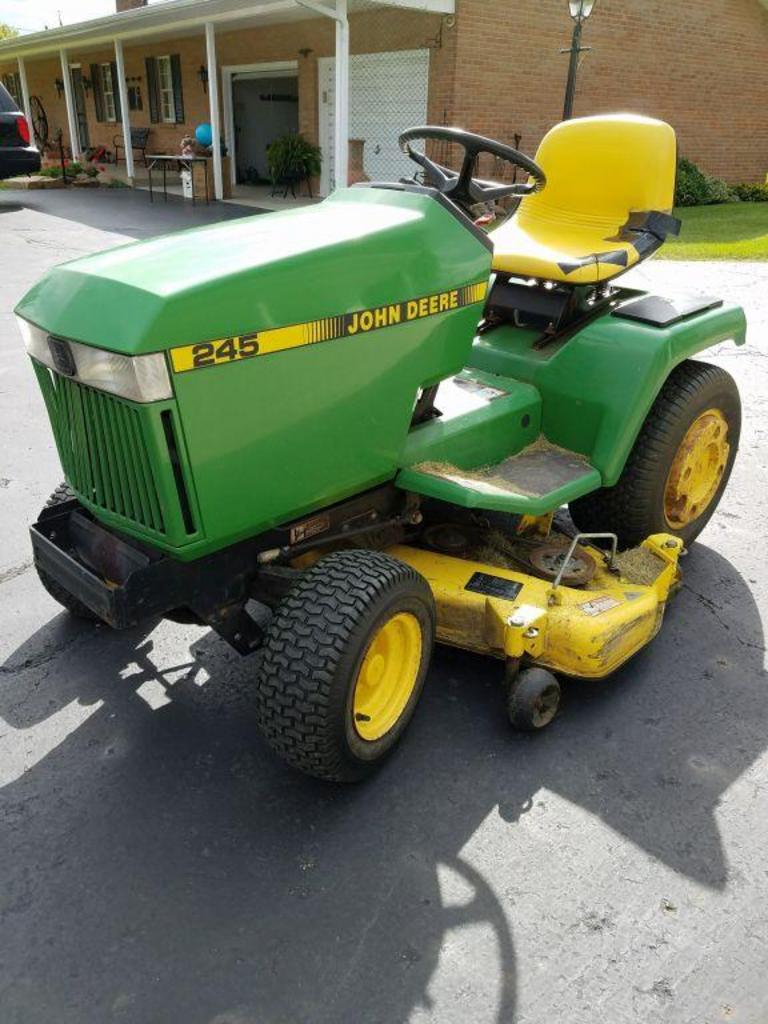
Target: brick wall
{"type": "Point", "coordinates": [702, 65]}
{"type": "Point", "coordinates": [699, 64]}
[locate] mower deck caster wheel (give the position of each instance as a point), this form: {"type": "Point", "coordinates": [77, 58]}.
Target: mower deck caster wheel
{"type": "Point", "coordinates": [533, 699]}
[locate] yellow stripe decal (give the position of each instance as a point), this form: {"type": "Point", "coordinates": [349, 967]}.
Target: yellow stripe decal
{"type": "Point", "coordinates": [362, 321]}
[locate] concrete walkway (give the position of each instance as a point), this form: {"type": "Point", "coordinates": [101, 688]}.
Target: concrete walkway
{"type": "Point", "coordinates": [158, 865]}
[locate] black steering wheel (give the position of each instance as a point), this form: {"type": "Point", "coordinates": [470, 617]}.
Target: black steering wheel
{"type": "Point", "coordinates": [461, 186]}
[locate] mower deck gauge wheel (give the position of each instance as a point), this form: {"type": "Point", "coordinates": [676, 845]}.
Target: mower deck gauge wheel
{"type": "Point", "coordinates": [533, 699]}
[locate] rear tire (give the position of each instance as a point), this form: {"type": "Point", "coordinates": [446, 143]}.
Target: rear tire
{"type": "Point", "coordinates": [641, 503]}
{"type": "Point", "coordinates": [345, 659]}
{"type": "Point", "coordinates": [61, 496]}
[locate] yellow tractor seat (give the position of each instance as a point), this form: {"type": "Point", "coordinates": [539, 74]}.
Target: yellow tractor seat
{"type": "Point", "coordinates": [610, 189]}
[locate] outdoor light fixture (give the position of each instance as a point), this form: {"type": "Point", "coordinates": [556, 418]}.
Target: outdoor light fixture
{"type": "Point", "coordinates": [202, 74]}
{"type": "Point", "coordinates": [87, 84]}
{"type": "Point", "coordinates": [580, 10]}
{"type": "Point", "coordinates": [59, 87]}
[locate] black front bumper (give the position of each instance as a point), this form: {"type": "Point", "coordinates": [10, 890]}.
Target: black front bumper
{"type": "Point", "coordinates": [117, 580]}
{"type": "Point", "coordinates": [125, 582]}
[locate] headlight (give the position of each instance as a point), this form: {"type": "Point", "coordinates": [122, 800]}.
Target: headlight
{"type": "Point", "coordinates": [137, 378]}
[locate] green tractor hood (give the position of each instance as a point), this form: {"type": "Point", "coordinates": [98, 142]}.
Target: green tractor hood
{"type": "Point", "coordinates": [297, 344]}
{"type": "Point", "coordinates": [361, 248]}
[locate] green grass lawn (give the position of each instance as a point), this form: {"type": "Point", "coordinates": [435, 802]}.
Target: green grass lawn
{"type": "Point", "coordinates": [733, 231]}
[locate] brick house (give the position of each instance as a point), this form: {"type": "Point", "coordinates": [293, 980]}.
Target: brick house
{"type": "Point", "coordinates": [256, 68]}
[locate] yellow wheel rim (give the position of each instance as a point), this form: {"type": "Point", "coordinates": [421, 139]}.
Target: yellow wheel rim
{"type": "Point", "coordinates": [697, 469]}
{"type": "Point", "coordinates": [387, 676]}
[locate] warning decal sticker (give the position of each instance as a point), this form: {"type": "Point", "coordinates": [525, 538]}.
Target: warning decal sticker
{"type": "Point", "coordinates": [598, 605]}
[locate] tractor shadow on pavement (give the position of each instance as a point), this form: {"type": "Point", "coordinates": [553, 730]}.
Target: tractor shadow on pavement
{"type": "Point", "coordinates": [158, 864]}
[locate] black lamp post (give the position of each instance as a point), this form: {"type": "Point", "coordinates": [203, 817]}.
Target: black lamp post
{"type": "Point", "coordinates": [580, 11]}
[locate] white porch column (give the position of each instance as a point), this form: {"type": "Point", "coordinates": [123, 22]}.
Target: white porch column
{"type": "Point", "coordinates": [122, 90]}
{"type": "Point", "coordinates": [213, 99]}
{"type": "Point", "coordinates": [74, 139]}
{"type": "Point", "coordinates": [341, 137]}
{"type": "Point", "coordinates": [25, 94]}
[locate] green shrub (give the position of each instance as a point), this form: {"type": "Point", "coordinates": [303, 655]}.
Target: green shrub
{"type": "Point", "coordinates": [691, 187]}
{"type": "Point", "coordinates": [695, 188]}
{"type": "Point", "coordinates": [750, 193]}
{"type": "Point", "coordinates": [719, 191]}
{"type": "Point", "coordinates": [292, 156]}
{"type": "Point", "coordinates": [73, 168]}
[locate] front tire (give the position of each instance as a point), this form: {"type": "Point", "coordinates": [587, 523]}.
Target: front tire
{"type": "Point", "coordinates": [345, 659]}
{"type": "Point", "coordinates": [680, 464]}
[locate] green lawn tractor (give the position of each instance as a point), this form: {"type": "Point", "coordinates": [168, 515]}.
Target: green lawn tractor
{"type": "Point", "coordinates": [337, 434]}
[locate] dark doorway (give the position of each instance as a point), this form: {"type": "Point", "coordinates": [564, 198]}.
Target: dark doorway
{"type": "Point", "coordinates": [264, 109]}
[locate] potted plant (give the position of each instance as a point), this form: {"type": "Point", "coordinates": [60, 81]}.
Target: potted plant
{"type": "Point", "coordinates": [293, 159]}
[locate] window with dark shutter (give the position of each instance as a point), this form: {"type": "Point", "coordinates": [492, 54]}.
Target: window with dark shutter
{"type": "Point", "coordinates": [116, 92]}
{"type": "Point", "coordinates": [152, 89]}
{"type": "Point", "coordinates": [178, 95]}
{"type": "Point", "coordinates": [107, 80]}
{"type": "Point", "coordinates": [166, 98]}
{"type": "Point", "coordinates": [98, 92]}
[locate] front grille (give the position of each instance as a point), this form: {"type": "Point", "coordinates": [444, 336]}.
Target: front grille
{"type": "Point", "coordinates": [103, 450]}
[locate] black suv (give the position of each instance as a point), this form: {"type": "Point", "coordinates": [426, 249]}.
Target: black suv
{"type": "Point", "coordinates": [18, 154]}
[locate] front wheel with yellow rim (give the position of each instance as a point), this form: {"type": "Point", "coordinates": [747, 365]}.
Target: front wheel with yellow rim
{"type": "Point", "coordinates": [679, 467]}
{"type": "Point", "coordinates": [345, 660]}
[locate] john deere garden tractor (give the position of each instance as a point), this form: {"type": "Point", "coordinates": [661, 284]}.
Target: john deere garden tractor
{"type": "Point", "coordinates": [363, 415]}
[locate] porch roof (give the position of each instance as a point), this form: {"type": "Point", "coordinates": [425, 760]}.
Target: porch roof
{"type": "Point", "coordinates": [184, 17]}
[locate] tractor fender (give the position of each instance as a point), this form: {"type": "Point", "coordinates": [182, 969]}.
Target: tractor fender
{"type": "Point", "coordinates": [598, 384]}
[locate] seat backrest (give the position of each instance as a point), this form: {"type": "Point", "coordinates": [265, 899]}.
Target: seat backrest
{"type": "Point", "coordinates": [139, 136]}
{"type": "Point", "coordinates": [606, 167]}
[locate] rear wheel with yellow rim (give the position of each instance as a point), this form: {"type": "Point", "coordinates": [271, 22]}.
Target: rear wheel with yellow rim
{"type": "Point", "coordinates": [697, 469]}
{"type": "Point", "coordinates": [679, 467]}
{"type": "Point", "coordinates": [345, 660]}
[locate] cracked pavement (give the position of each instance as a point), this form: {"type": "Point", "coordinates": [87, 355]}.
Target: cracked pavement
{"type": "Point", "coordinates": [157, 864]}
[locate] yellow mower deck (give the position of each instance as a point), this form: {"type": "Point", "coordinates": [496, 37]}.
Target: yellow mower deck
{"type": "Point", "coordinates": [586, 632]}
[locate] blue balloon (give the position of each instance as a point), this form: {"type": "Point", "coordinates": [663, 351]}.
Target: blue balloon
{"type": "Point", "coordinates": [204, 134]}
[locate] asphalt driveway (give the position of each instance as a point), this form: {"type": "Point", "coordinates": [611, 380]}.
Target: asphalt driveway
{"type": "Point", "coordinates": [159, 866]}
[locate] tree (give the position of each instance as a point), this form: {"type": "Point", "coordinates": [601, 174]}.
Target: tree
{"type": "Point", "coordinates": [7, 31]}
